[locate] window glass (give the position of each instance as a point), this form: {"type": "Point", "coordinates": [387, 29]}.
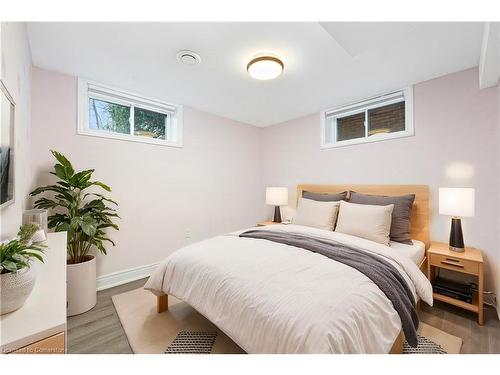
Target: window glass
{"type": "Point", "coordinates": [351, 127]}
{"type": "Point", "coordinates": [150, 124]}
{"type": "Point", "coordinates": [387, 119]}
{"type": "Point", "coordinates": [109, 116]}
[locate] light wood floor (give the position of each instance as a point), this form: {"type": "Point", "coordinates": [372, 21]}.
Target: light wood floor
{"type": "Point", "coordinates": [99, 330]}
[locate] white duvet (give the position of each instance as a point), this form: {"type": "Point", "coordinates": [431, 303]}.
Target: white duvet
{"type": "Point", "coordinates": [274, 298]}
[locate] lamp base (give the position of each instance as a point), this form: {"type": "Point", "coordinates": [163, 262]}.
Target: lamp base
{"type": "Point", "coordinates": [456, 236]}
{"type": "Point", "coordinates": [277, 214]}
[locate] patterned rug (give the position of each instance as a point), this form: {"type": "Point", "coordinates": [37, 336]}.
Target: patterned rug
{"type": "Point", "coordinates": [425, 346]}
{"type": "Point", "coordinates": [192, 343]}
{"type": "Point", "coordinates": [187, 342]}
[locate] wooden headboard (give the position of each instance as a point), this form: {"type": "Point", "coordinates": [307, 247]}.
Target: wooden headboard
{"type": "Point", "coordinates": [419, 215]}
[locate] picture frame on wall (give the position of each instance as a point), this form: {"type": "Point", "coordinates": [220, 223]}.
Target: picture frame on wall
{"type": "Point", "coordinates": [7, 152]}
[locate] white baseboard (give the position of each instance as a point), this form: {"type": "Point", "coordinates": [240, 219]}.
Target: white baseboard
{"type": "Point", "coordinates": [125, 276]}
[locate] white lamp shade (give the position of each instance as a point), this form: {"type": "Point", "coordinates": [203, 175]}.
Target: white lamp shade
{"type": "Point", "coordinates": [456, 202]}
{"type": "Point", "coordinates": [277, 196]}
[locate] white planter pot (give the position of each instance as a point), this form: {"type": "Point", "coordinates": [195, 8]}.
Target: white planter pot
{"type": "Point", "coordinates": [81, 286]}
{"type": "Point", "coordinates": [15, 288]}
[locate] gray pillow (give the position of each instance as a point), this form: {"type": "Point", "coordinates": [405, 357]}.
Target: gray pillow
{"type": "Point", "coordinates": [325, 197]}
{"type": "Point", "coordinates": [400, 225]}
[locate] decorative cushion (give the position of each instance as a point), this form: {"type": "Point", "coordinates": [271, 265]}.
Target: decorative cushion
{"type": "Point", "coordinates": [316, 214]}
{"type": "Point", "coordinates": [365, 221]}
{"type": "Point", "coordinates": [325, 197]}
{"type": "Point", "coordinates": [400, 225]}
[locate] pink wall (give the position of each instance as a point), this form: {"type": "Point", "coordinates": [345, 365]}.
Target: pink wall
{"type": "Point", "coordinates": [456, 133]}
{"type": "Point", "coordinates": [211, 186]}
{"type": "Point", "coordinates": [215, 183]}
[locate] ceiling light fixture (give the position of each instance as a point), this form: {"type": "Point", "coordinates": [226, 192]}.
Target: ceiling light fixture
{"type": "Point", "coordinates": [265, 68]}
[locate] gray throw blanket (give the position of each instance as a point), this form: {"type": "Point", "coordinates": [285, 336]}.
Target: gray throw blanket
{"type": "Point", "coordinates": [381, 272]}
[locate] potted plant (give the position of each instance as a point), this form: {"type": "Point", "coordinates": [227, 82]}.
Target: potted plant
{"type": "Point", "coordinates": [85, 215]}
{"type": "Point", "coordinates": [17, 278]}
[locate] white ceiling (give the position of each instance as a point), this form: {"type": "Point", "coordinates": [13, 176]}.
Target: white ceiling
{"type": "Point", "coordinates": [326, 64]}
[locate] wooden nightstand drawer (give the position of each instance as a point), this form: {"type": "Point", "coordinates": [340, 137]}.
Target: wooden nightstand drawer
{"type": "Point", "coordinates": [469, 262]}
{"type": "Point", "coordinates": [455, 264]}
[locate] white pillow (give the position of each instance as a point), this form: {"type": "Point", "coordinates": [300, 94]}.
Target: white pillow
{"type": "Point", "coordinates": [316, 214]}
{"type": "Point", "coordinates": [365, 221]}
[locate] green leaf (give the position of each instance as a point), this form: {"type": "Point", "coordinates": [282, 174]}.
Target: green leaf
{"type": "Point", "coordinates": [63, 160]}
{"type": "Point", "coordinates": [95, 204]}
{"type": "Point", "coordinates": [43, 189]}
{"type": "Point", "coordinates": [64, 170]}
{"type": "Point", "coordinates": [67, 194]}
{"type": "Point", "coordinates": [104, 186]}
{"type": "Point", "coordinates": [61, 172]}
{"type": "Point", "coordinates": [9, 265]}
{"type": "Point", "coordinates": [76, 222]}
{"type": "Point", "coordinates": [108, 225]}
{"type": "Point", "coordinates": [107, 239]}
{"type": "Point", "coordinates": [45, 203]}
{"type": "Point", "coordinates": [100, 196]}
{"type": "Point", "coordinates": [57, 220]}
{"type": "Point", "coordinates": [80, 179]}
{"type": "Point", "coordinates": [88, 226]}
{"type": "Point", "coordinates": [36, 255]}
{"type": "Point", "coordinates": [20, 258]}
{"type": "Point", "coordinates": [63, 184]}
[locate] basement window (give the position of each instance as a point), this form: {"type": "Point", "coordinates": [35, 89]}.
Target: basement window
{"type": "Point", "coordinates": [380, 118]}
{"type": "Point", "coordinates": [118, 114]}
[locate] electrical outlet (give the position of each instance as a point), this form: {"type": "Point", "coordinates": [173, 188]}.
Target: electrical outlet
{"type": "Point", "coordinates": [187, 233]}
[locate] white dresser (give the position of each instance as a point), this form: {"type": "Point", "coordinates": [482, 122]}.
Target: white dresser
{"type": "Point", "coordinates": [40, 325]}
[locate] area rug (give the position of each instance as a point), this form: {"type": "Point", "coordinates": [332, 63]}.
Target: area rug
{"type": "Point", "coordinates": [188, 342]}
{"type": "Point", "coordinates": [182, 329]}
{"type": "Point", "coordinates": [151, 333]}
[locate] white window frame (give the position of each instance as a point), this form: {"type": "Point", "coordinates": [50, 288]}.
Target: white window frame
{"type": "Point", "coordinates": [88, 89]}
{"type": "Point", "coordinates": [398, 96]}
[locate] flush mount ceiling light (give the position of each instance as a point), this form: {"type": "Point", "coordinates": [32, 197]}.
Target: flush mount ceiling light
{"type": "Point", "coordinates": [187, 57]}
{"type": "Point", "coordinates": [265, 67]}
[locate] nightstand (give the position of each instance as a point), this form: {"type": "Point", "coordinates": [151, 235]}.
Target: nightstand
{"type": "Point", "coordinates": [468, 262]}
{"type": "Point", "coordinates": [264, 223]}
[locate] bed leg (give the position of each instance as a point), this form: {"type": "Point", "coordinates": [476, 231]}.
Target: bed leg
{"type": "Point", "coordinates": [162, 303]}
{"type": "Point", "coordinates": [397, 347]}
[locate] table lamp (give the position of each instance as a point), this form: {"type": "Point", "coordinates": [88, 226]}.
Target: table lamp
{"type": "Point", "coordinates": [277, 196]}
{"type": "Point", "coordinates": [457, 203]}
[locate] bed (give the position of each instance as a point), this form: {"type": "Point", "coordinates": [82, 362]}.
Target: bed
{"type": "Point", "coordinates": [271, 297]}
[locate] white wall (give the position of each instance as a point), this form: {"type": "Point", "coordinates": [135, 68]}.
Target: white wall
{"type": "Point", "coordinates": [456, 132]}
{"type": "Point", "coordinates": [15, 73]}
{"type": "Point", "coordinates": [211, 186]}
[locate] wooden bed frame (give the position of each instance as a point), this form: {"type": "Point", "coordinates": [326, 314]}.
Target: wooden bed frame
{"type": "Point", "coordinates": [420, 212]}
{"type": "Point", "coordinates": [419, 224]}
